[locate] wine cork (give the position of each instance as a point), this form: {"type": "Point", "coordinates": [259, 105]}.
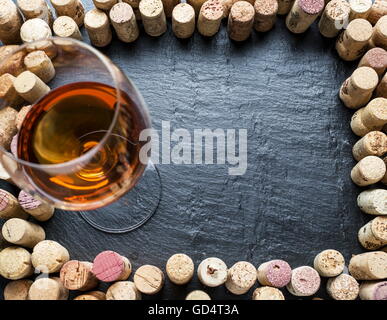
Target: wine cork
{"type": "Point", "coordinates": [21, 115]}
{"type": "Point", "coordinates": [197, 295]}
{"type": "Point", "coordinates": [41, 211]}
{"type": "Point", "coordinates": [10, 22]}
{"type": "Point", "coordinates": [153, 17]}
{"type": "Point", "coordinates": [360, 9]}
{"type": "Point", "coordinates": [379, 35]}
{"type": "Point", "coordinates": [104, 5]}
{"type": "Point", "coordinates": [378, 10]}
{"type": "Point", "coordinates": [368, 170]}
{"type": "Point", "coordinates": [92, 295]}
{"type": "Point", "coordinates": [180, 269]}
{"type": "Point", "coordinates": [374, 115]}
{"type": "Point", "coordinates": [48, 289]}
{"type": "Point", "coordinates": [169, 5]}
{"type": "Point", "coordinates": [284, 6]}
{"type": "Point", "coordinates": [13, 146]}
{"type": "Point", "coordinates": [376, 59]}
{"type": "Point", "coordinates": [303, 14]}
{"type": "Point", "coordinates": [265, 15]}
{"type": "Point", "coordinates": [384, 180]}
{"type": "Point", "coordinates": [240, 21]}
{"type": "Point", "coordinates": [149, 279]}
{"type": "Point", "coordinates": [373, 235]}
{"type": "Point", "coordinates": [134, 4]}
{"type": "Point", "coordinates": [124, 22]}
{"type": "Point", "coordinates": [329, 263]}
{"type": "Point", "coordinates": [4, 175]}
{"type": "Point", "coordinates": [30, 86]}
{"type": "Point", "coordinates": [22, 233]}
{"type": "Point", "coordinates": [274, 273]}
{"type": "Point", "coordinates": [17, 290]}
{"type": "Point", "coordinates": [241, 277]}
{"type": "Point", "coordinates": [212, 272]}
{"type": "Point", "coordinates": [71, 8]}
{"type": "Point", "coordinates": [7, 127]}
{"type": "Point", "coordinates": [305, 281]}
{"type": "Point", "coordinates": [10, 62]}
{"type": "Point", "coordinates": [343, 287]}
{"type": "Point", "coordinates": [77, 275]}
{"type": "Point", "coordinates": [381, 90]}
{"type": "Point", "coordinates": [40, 64]}
{"type": "Point", "coordinates": [358, 126]}
{"type": "Point", "coordinates": [109, 266]}
{"type": "Point", "coordinates": [36, 9]}
{"type": "Point", "coordinates": [15, 263]}
{"type": "Point", "coordinates": [8, 93]}
{"type": "Point", "coordinates": [353, 41]}
{"type": "Point", "coordinates": [373, 290]}
{"type": "Point", "coordinates": [334, 18]}
{"type": "Point", "coordinates": [98, 27]}
{"type": "Point", "coordinates": [268, 293]}
{"type": "Point", "coordinates": [183, 20]}
{"type": "Point", "coordinates": [66, 27]}
{"type": "Point", "coordinates": [49, 256]}
{"type": "Point", "coordinates": [197, 5]}
{"type": "Point", "coordinates": [373, 143]}
{"type": "Point", "coordinates": [210, 17]}
{"type": "Point", "coordinates": [34, 30]}
{"type": "Point", "coordinates": [357, 90]}
{"type": "Point", "coordinates": [369, 266]}
{"type": "Point", "coordinates": [123, 290]}
{"type": "Point", "coordinates": [373, 201]}
{"type": "Point", "coordinates": [9, 207]}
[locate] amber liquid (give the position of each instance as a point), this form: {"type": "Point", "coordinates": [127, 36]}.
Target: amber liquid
{"type": "Point", "coordinates": [69, 123]}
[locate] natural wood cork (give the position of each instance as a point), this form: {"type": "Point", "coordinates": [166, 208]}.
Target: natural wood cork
{"type": "Point", "coordinates": [92, 295]}
{"type": "Point", "coordinates": [268, 293]}
{"type": "Point", "coordinates": [153, 17]}
{"type": "Point", "coordinates": [180, 269]}
{"type": "Point", "coordinates": [334, 18]}
{"type": "Point", "coordinates": [7, 126]}
{"type": "Point", "coordinates": [357, 90]}
{"type": "Point", "coordinates": [183, 20]}
{"type": "Point", "coordinates": [265, 15]}
{"type": "Point", "coordinates": [124, 22]}
{"type": "Point", "coordinates": [381, 90]}
{"type": "Point", "coordinates": [210, 17]}
{"type": "Point", "coordinates": [48, 289]}
{"type": "Point", "coordinates": [343, 287]}
{"type": "Point", "coordinates": [196, 4]}
{"type": "Point", "coordinates": [15, 263]}
{"type": "Point", "coordinates": [30, 87]}
{"type": "Point", "coordinates": [11, 62]}
{"type": "Point", "coordinates": [40, 64]}
{"type": "Point", "coordinates": [373, 235]}
{"type": "Point", "coordinates": [240, 21]}
{"type": "Point", "coordinates": [373, 143]}
{"type": "Point", "coordinates": [10, 22]}
{"type": "Point", "coordinates": [358, 126]}
{"type": "Point", "coordinates": [373, 290]}
{"type": "Point", "coordinates": [123, 290]}
{"type": "Point", "coordinates": [17, 290]}
{"type": "Point", "coordinates": [360, 9]}
{"type": "Point", "coordinates": [212, 272]}
{"type": "Point", "coordinates": [134, 4]}
{"type": "Point", "coordinates": [41, 211]}
{"type": "Point", "coordinates": [149, 279]}
{"type": "Point", "coordinates": [329, 263]}
{"type": "Point", "coordinates": [284, 6]}
{"type": "Point", "coordinates": [274, 273]}
{"type": "Point", "coordinates": [110, 266]}
{"type": "Point", "coordinates": [305, 282]}
{"type": "Point", "coordinates": [105, 5]}
{"type": "Point", "coordinates": [241, 277]}
{"type": "Point", "coordinates": [9, 207]}
{"type": "Point", "coordinates": [303, 14]}
{"type": "Point", "coordinates": [23, 233]}
{"type": "Point", "coordinates": [374, 115]}
{"type": "Point", "coordinates": [78, 275]}
{"type": "Point", "coordinates": [376, 59]}
{"type": "Point", "coordinates": [378, 10]}
{"type": "Point", "coordinates": [21, 115]}
{"type": "Point", "coordinates": [36, 9]}
{"type": "Point", "coordinates": [71, 8]}
{"type": "Point", "coordinates": [98, 27]}
{"type": "Point", "coordinates": [373, 201]}
{"type": "Point", "coordinates": [8, 93]}
{"type": "Point", "coordinates": [49, 256]}
{"type": "Point", "coordinates": [353, 41]}
{"type": "Point", "coordinates": [379, 35]}
{"type": "Point", "coordinates": [66, 27]}
{"type": "Point", "coordinates": [169, 5]}
{"type": "Point", "coordinates": [369, 266]}
{"type": "Point", "coordinates": [384, 180]}
{"type": "Point", "coordinates": [198, 295]}
{"type": "Point", "coordinates": [368, 170]}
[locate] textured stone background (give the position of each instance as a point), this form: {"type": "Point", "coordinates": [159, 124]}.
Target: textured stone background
{"type": "Point", "coordinates": [296, 198]}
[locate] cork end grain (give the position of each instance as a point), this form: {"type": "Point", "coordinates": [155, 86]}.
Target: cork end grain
{"type": "Point", "coordinates": [377, 58]}
{"type": "Point", "coordinates": [381, 27]}
{"type": "Point", "coordinates": [379, 228]}
{"type": "Point", "coordinates": [365, 78]}
{"type": "Point", "coordinates": [4, 200]}
{"type": "Point", "coordinates": [338, 10]}
{"type": "Point", "coordinates": [212, 10]}
{"type": "Point", "coordinates": [149, 279]}
{"type": "Point", "coordinates": [266, 7]}
{"type": "Point", "coordinates": [151, 8]}
{"type": "Point", "coordinates": [343, 287]}
{"type": "Point", "coordinates": [360, 6]}
{"type": "Point", "coordinates": [25, 82]}
{"type": "Point", "coordinates": [311, 7]}
{"type": "Point", "coordinates": [35, 29]}
{"type": "Point", "coordinates": [96, 19]}
{"type": "Point", "coordinates": [180, 268]}
{"type": "Point", "coordinates": [15, 263]}
{"type": "Point", "coordinates": [28, 202]}
{"type": "Point", "coordinates": [64, 26]}
{"type": "Point", "coordinates": [372, 168]}
{"type": "Point", "coordinates": [108, 266]}
{"type": "Point", "coordinates": [183, 13]}
{"type": "Point", "coordinates": [31, 5]}
{"type": "Point", "coordinates": [305, 281]}
{"type": "Point", "coordinates": [17, 290]}
{"type": "Point", "coordinates": [278, 273]}
{"type": "Point", "coordinates": [198, 295]}
{"type": "Point", "coordinates": [121, 12]}
{"type": "Point", "coordinates": [242, 11]}
{"type": "Point", "coordinates": [359, 30]}
{"type": "Point", "coordinates": [380, 292]}
{"type": "Point", "coordinates": [268, 293]}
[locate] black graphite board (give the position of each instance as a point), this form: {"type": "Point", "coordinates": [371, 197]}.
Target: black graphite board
{"type": "Point", "coordinates": [296, 197]}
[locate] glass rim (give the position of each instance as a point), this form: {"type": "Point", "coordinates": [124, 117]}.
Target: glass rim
{"type": "Point", "coordinates": [90, 153]}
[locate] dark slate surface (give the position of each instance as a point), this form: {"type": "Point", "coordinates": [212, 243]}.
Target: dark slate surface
{"type": "Point", "coordinates": [296, 198]}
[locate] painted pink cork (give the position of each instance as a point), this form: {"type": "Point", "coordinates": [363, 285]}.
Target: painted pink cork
{"type": "Point", "coordinates": [28, 202]}
{"type": "Point", "coordinates": [108, 266]}
{"type": "Point", "coordinates": [278, 273]}
{"type": "Point", "coordinates": [311, 6]}
{"type": "Point", "coordinates": [4, 200]}
{"type": "Point", "coordinates": [306, 280]}
{"type": "Point", "coordinates": [381, 291]}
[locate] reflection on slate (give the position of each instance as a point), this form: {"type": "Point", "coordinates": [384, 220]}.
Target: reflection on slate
{"type": "Point", "coordinates": [296, 197]}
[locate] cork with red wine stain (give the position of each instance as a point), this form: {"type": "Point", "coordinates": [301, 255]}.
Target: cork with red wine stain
{"type": "Point", "coordinates": [274, 273]}
{"type": "Point", "coordinates": [109, 266]}
{"type": "Point", "coordinates": [305, 281]}
{"type": "Point", "coordinates": [41, 211]}
{"type": "Point", "coordinates": [303, 14]}
{"type": "Point", "coordinates": [373, 290]}
{"type": "Point", "coordinates": [9, 207]}
{"type": "Point", "coordinates": [376, 59]}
